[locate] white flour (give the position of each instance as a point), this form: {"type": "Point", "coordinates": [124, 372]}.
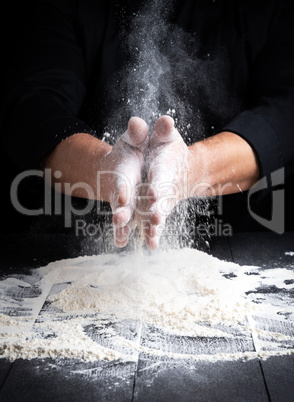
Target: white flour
{"type": "Point", "coordinates": [290, 253]}
{"type": "Point", "coordinates": [116, 306]}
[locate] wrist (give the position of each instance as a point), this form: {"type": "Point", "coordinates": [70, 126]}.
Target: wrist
{"type": "Point", "coordinates": [102, 168]}
{"type": "Point", "coordinates": [222, 164]}
{"type": "Point", "coordinates": [199, 179]}
{"type": "Point", "coordinates": [78, 158]}
{"type": "Point", "coordinates": [92, 162]}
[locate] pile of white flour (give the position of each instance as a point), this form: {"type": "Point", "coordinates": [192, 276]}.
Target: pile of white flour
{"type": "Point", "coordinates": [100, 308]}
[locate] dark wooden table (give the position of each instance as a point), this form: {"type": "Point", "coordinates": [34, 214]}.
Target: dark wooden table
{"type": "Point", "coordinates": [150, 379]}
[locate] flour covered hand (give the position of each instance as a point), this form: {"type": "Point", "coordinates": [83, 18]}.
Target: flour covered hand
{"type": "Point", "coordinates": [123, 167]}
{"type": "Point", "coordinates": [167, 176]}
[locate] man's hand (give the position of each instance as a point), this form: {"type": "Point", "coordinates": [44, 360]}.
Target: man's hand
{"type": "Point", "coordinates": [90, 168]}
{"type": "Point", "coordinates": [121, 174]}
{"type": "Point", "coordinates": [222, 164]}
{"type": "Point", "coordinates": [167, 176]}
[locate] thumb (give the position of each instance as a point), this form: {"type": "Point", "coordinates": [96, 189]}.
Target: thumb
{"type": "Point", "coordinates": [136, 133]}
{"type": "Point", "coordinates": [164, 130]}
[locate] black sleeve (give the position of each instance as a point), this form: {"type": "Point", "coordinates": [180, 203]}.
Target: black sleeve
{"type": "Point", "coordinates": [47, 85]}
{"type": "Point", "coordinates": [268, 125]}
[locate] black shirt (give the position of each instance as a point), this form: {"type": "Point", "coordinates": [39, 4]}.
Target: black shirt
{"type": "Point", "coordinates": [226, 65]}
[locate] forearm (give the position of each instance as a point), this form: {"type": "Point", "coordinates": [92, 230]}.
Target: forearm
{"type": "Point", "coordinates": [222, 164]}
{"type": "Point", "coordinates": [74, 164]}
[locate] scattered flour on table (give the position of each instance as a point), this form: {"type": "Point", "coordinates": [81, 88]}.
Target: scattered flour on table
{"type": "Point", "coordinates": [290, 253]}
{"type": "Point", "coordinates": [116, 306]}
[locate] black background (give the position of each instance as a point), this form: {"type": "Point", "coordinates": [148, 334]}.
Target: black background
{"type": "Point", "coordinates": [15, 17]}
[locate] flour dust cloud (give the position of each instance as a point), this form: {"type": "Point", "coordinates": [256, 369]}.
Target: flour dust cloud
{"type": "Point", "coordinates": [165, 74]}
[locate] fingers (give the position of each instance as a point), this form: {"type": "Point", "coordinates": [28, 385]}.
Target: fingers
{"type": "Point", "coordinates": [122, 209]}
{"type": "Point", "coordinates": [152, 242]}
{"type": "Point", "coordinates": [128, 172]}
{"type": "Point", "coordinates": [121, 216]}
{"type": "Point", "coordinates": [152, 236]}
{"type": "Point", "coordinates": [164, 130]}
{"type": "Point", "coordinates": [136, 133]}
{"type": "Point", "coordinates": [155, 225]}
{"type": "Point", "coordinates": [167, 159]}
{"type": "Point", "coordinates": [121, 236]}
{"type": "Point", "coordinates": [123, 224]}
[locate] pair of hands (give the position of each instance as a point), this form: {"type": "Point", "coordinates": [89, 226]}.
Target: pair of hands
{"type": "Point", "coordinates": [147, 178]}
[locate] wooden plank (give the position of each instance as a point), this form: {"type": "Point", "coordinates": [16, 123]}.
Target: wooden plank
{"type": "Point", "coordinates": [64, 379]}
{"type": "Point", "coordinates": [264, 249]}
{"type": "Point", "coordinates": [271, 251]}
{"type": "Point", "coordinates": [157, 339]}
{"type": "Point", "coordinates": [168, 380]}
{"type": "Point", "coordinates": [162, 378]}
{"type": "Point", "coordinates": [9, 252]}
{"type": "Point", "coordinates": [5, 367]}
{"type": "Point", "coordinates": [279, 374]}
{"type": "Point", "coordinates": [157, 378]}
{"type": "Point", "coordinates": [68, 380]}
{"type": "Point", "coordinates": [220, 248]}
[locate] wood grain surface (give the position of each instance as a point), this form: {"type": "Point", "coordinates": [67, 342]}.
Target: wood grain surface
{"type": "Point", "coordinates": [150, 378]}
